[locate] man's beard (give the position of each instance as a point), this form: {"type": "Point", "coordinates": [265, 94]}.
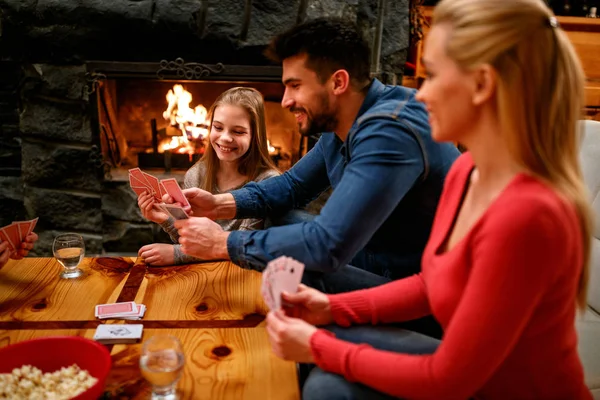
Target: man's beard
{"type": "Point", "coordinates": [324, 121]}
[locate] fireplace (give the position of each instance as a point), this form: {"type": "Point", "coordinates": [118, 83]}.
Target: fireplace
{"type": "Point", "coordinates": [159, 122]}
{"type": "Point", "coordinates": [81, 83]}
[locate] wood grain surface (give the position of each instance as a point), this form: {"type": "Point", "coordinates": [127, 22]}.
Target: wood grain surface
{"type": "Point", "coordinates": [31, 290]}
{"type": "Point", "coordinates": [210, 291]}
{"type": "Point", "coordinates": [219, 364]}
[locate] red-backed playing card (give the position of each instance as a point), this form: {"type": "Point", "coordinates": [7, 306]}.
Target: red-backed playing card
{"type": "Point", "coordinates": [33, 224]}
{"type": "Point", "coordinates": [175, 192]}
{"type": "Point", "coordinates": [154, 184]}
{"type": "Point", "coordinates": [12, 231]}
{"type": "Point", "coordinates": [24, 229]}
{"type": "Point", "coordinates": [4, 238]}
{"type": "Point", "coordinates": [116, 308]}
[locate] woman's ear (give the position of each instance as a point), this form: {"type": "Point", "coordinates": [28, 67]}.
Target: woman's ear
{"type": "Point", "coordinates": [340, 80]}
{"type": "Point", "coordinates": [485, 79]}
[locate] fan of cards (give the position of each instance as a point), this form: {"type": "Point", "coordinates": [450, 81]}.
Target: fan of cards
{"type": "Point", "coordinates": [142, 182]}
{"type": "Point", "coordinates": [281, 275]}
{"type": "Point", "coordinates": [126, 310]}
{"type": "Point", "coordinates": [16, 233]}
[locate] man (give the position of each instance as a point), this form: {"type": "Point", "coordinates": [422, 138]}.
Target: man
{"type": "Point", "coordinates": [377, 155]}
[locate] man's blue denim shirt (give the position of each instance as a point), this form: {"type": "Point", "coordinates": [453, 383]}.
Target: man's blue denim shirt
{"type": "Point", "coordinates": [387, 178]}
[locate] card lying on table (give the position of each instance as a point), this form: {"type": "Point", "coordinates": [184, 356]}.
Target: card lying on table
{"type": "Point", "coordinates": [127, 310]}
{"type": "Point", "coordinates": [16, 233]}
{"type": "Point", "coordinates": [115, 334]}
{"type": "Point", "coordinates": [283, 274]}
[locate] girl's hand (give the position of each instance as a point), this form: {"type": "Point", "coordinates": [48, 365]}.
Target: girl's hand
{"type": "Point", "coordinates": [290, 337]}
{"type": "Point", "coordinates": [158, 254]}
{"type": "Point", "coordinates": [146, 202]}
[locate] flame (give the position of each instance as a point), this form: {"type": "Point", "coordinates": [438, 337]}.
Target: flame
{"type": "Point", "coordinates": [192, 123]}
{"type": "Point", "coordinates": [272, 149]}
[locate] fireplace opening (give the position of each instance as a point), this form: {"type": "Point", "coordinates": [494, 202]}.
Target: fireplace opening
{"type": "Point", "coordinates": [162, 125]}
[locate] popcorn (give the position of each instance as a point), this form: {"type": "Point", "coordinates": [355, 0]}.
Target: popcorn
{"type": "Point", "coordinates": [30, 383]}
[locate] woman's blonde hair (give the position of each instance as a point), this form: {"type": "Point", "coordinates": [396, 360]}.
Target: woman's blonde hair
{"type": "Point", "coordinates": [256, 160]}
{"type": "Point", "coordinates": [540, 90]}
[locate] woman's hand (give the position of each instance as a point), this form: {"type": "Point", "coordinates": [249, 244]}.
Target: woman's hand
{"type": "Point", "coordinates": [158, 254]}
{"type": "Point", "coordinates": [307, 304]}
{"type": "Point", "coordinates": [290, 337]}
{"type": "Point", "coordinates": [147, 206]}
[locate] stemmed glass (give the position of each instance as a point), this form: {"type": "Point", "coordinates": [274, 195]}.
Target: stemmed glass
{"type": "Point", "coordinates": [69, 250]}
{"type": "Point", "coordinates": [161, 363]}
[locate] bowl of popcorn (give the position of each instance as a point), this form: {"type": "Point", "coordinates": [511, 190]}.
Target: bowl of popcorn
{"type": "Point", "coordinates": [59, 367]}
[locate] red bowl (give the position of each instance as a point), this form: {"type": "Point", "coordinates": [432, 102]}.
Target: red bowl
{"type": "Point", "coordinates": [52, 353]}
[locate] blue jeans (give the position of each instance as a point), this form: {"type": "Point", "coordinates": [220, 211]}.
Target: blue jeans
{"type": "Point", "coordinates": [329, 386]}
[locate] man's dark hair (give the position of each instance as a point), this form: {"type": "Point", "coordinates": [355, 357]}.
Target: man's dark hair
{"type": "Point", "coordinates": [330, 44]}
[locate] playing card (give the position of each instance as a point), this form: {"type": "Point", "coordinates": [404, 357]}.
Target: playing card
{"type": "Point", "coordinates": [286, 277]}
{"type": "Point", "coordinates": [117, 333]}
{"type": "Point", "coordinates": [174, 211]}
{"type": "Point", "coordinates": [135, 182]}
{"type": "Point", "coordinates": [139, 190]}
{"type": "Point", "coordinates": [138, 315]}
{"type": "Point", "coordinates": [173, 189]}
{"type": "Point", "coordinates": [163, 191]}
{"type": "Point", "coordinates": [154, 184]}
{"type": "Point", "coordinates": [266, 290]}
{"type": "Point", "coordinates": [12, 231]}
{"type": "Point", "coordinates": [103, 310]}
{"type": "Point", "coordinates": [33, 224]}
{"type": "Point", "coordinates": [4, 238]}
{"type": "Point", "coordinates": [24, 229]}
{"type": "Point", "coordinates": [139, 175]}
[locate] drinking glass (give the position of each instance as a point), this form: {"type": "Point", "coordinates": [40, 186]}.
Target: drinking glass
{"type": "Point", "coordinates": [161, 363]}
{"type": "Point", "coordinates": [69, 250]}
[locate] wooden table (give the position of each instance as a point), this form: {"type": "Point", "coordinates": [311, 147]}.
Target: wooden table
{"type": "Point", "coordinates": [215, 309]}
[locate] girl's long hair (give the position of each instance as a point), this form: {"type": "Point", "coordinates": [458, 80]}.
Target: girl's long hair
{"type": "Point", "coordinates": [257, 159]}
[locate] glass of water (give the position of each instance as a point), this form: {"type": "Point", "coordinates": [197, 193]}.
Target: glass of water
{"type": "Point", "coordinates": [161, 363]}
{"type": "Point", "coordinates": [69, 250]}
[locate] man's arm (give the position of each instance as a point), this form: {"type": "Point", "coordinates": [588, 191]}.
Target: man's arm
{"type": "Point", "coordinates": [279, 194]}
{"type": "Point", "coordinates": [385, 163]}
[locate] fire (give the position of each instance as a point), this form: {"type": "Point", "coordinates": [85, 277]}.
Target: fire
{"type": "Point", "coordinates": [272, 149]}
{"type": "Point", "coordinates": [192, 122]}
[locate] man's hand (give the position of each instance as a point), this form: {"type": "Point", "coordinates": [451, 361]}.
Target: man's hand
{"type": "Point", "coordinates": [202, 238]}
{"type": "Point", "coordinates": [206, 204]}
{"type": "Point", "coordinates": [203, 203]}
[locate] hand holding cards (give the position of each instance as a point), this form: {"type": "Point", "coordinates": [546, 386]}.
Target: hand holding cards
{"type": "Point", "coordinates": [142, 182]}
{"type": "Point", "coordinates": [281, 275]}
{"type": "Point", "coordinates": [16, 233]}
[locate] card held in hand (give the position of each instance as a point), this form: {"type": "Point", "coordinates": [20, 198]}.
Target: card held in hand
{"type": "Point", "coordinates": [283, 274]}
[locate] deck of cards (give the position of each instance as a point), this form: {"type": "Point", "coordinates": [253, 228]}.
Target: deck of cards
{"type": "Point", "coordinates": [16, 233]}
{"type": "Point", "coordinates": [281, 275]}
{"type": "Point", "coordinates": [116, 334]}
{"type": "Point", "coordinates": [126, 310]}
{"type": "Point", "coordinates": [142, 182]}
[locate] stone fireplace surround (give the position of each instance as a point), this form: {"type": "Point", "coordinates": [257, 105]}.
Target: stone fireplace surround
{"type": "Point", "coordinates": [51, 163]}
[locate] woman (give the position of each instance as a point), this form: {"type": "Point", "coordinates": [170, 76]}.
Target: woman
{"type": "Point", "coordinates": [237, 154]}
{"type": "Point", "coordinates": [506, 262]}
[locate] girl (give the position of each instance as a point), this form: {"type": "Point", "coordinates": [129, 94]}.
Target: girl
{"type": "Point", "coordinates": [237, 154]}
{"type": "Point", "coordinates": [506, 262]}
